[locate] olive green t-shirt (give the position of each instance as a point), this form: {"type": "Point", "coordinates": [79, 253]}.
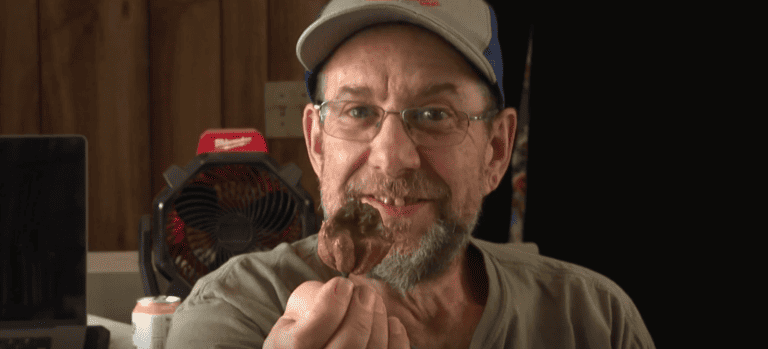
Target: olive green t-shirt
{"type": "Point", "coordinates": [533, 301]}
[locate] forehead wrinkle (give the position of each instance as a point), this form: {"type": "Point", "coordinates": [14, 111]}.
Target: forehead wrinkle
{"type": "Point", "coordinates": [385, 92]}
{"type": "Point", "coordinates": [381, 63]}
{"type": "Point", "coordinates": [438, 88]}
{"type": "Point", "coordinates": [354, 91]}
{"type": "Point", "coordinates": [356, 80]}
{"type": "Point", "coordinates": [420, 91]}
{"type": "Point", "coordinates": [347, 82]}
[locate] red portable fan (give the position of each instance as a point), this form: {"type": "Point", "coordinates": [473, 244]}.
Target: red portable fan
{"type": "Point", "coordinates": [232, 198]}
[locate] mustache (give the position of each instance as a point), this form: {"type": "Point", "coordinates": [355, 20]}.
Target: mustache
{"type": "Point", "coordinates": [415, 184]}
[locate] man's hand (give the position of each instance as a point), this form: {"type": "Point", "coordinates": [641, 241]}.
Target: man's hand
{"type": "Point", "coordinates": [336, 314]}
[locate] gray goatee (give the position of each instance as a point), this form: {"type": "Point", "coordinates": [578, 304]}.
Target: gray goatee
{"type": "Point", "coordinates": [402, 271]}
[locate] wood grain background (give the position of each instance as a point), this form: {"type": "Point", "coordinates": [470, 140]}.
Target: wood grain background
{"type": "Point", "coordinates": [142, 79]}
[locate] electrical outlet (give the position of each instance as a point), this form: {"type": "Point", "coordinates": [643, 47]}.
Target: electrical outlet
{"type": "Point", "coordinates": [284, 102]}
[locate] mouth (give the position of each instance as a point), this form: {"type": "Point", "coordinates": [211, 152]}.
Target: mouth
{"type": "Point", "coordinates": [401, 207]}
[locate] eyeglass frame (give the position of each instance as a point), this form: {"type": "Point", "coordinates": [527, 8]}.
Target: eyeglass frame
{"type": "Point", "coordinates": [484, 116]}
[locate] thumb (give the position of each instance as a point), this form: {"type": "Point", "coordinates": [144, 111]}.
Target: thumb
{"type": "Point", "coordinates": [398, 338]}
{"type": "Point", "coordinates": [301, 300]}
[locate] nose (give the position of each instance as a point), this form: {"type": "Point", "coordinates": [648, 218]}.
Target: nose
{"type": "Point", "coordinates": [392, 151]}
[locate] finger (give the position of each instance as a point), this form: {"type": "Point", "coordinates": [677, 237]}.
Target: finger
{"type": "Point", "coordinates": [301, 300]}
{"type": "Point", "coordinates": [298, 306]}
{"type": "Point", "coordinates": [379, 336]}
{"type": "Point", "coordinates": [398, 338]}
{"type": "Point", "coordinates": [355, 329]}
{"type": "Point", "coordinates": [326, 314]}
{"type": "Point", "coordinates": [282, 334]}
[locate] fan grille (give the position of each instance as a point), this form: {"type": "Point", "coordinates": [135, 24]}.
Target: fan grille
{"type": "Point", "coordinates": [229, 210]}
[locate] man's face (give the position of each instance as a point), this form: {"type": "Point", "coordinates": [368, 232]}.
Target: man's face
{"type": "Point", "coordinates": [441, 188]}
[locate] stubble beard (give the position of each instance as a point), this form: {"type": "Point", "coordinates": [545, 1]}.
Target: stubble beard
{"type": "Point", "coordinates": [404, 268]}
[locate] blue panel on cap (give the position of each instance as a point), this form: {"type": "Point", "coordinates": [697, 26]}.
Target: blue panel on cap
{"type": "Point", "coordinates": [307, 75]}
{"type": "Point", "coordinates": [493, 54]}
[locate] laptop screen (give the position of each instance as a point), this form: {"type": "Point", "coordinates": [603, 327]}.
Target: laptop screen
{"type": "Point", "coordinates": [43, 220]}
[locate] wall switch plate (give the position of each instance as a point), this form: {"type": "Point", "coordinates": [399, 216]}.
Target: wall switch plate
{"type": "Point", "coordinates": [284, 102]}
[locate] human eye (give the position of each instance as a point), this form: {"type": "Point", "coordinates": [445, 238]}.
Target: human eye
{"type": "Point", "coordinates": [358, 111]}
{"type": "Point", "coordinates": [433, 114]}
{"type": "Point", "coordinates": [434, 119]}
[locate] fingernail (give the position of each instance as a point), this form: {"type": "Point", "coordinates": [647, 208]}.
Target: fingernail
{"type": "Point", "coordinates": [344, 286]}
{"type": "Point", "coordinates": [366, 298]}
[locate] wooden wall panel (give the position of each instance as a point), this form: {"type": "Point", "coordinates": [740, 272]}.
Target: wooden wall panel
{"type": "Point", "coordinates": [94, 82]}
{"type": "Point", "coordinates": [19, 68]}
{"type": "Point", "coordinates": [141, 80]}
{"type": "Point", "coordinates": [244, 63]}
{"type": "Point", "coordinates": [69, 30]}
{"type": "Point", "coordinates": [185, 80]}
{"type": "Point", "coordinates": [287, 20]}
{"type": "Point", "coordinates": [122, 143]}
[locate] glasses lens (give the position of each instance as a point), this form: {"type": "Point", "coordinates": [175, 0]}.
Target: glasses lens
{"type": "Point", "coordinates": [436, 126]}
{"type": "Point", "coordinates": [429, 126]}
{"type": "Point", "coordinates": [352, 120]}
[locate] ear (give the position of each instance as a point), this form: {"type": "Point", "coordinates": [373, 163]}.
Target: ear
{"type": "Point", "coordinates": [498, 153]}
{"type": "Point", "coordinates": [313, 137]}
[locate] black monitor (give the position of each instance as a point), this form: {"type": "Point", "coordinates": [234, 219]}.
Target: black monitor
{"type": "Point", "coordinates": [43, 236]}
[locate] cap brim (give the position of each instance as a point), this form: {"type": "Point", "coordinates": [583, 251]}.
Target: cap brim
{"type": "Point", "coordinates": [321, 37]}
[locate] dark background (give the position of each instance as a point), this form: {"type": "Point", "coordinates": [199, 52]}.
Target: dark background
{"type": "Point", "coordinates": [613, 179]}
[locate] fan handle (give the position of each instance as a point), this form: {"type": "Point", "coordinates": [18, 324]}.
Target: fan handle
{"type": "Point", "coordinates": [178, 287]}
{"type": "Point", "coordinates": [148, 278]}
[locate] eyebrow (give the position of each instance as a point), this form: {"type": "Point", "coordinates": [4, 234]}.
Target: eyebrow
{"type": "Point", "coordinates": [437, 89]}
{"type": "Point", "coordinates": [358, 91]}
{"type": "Point", "coordinates": [365, 91]}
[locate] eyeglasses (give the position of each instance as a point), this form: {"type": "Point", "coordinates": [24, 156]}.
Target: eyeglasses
{"type": "Point", "coordinates": [426, 126]}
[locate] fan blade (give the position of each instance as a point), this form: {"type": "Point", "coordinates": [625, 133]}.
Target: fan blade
{"type": "Point", "coordinates": [222, 256]}
{"type": "Point", "coordinates": [201, 243]}
{"type": "Point", "coordinates": [270, 216]}
{"type": "Point", "coordinates": [285, 208]}
{"type": "Point", "coordinates": [273, 212]}
{"type": "Point", "coordinates": [198, 207]}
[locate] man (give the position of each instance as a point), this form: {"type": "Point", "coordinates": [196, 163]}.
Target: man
{"type": "Point", "coordinates": [407, 116]}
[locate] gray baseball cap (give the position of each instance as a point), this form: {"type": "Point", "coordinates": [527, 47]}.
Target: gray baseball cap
{"type": "Point", "coordinates": [469, 25]}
